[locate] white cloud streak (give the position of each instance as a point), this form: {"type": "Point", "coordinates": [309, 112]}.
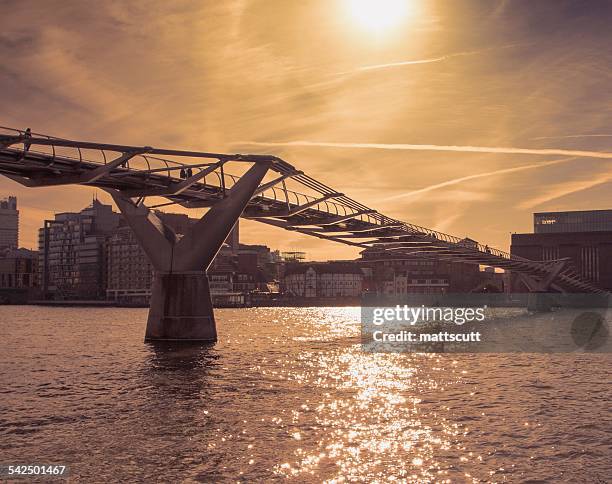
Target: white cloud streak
{"type": "Point", "coordinates": [435, 59]}
{"type": "Point", "coordinates": [462, 179]}
{"type": "Point", "coordinates": [419, 61]}
{"type": "Point", "coordinates": [565, 189]}
{"type": "Point", "coordinates": [416, 147]}
{"type": "Point", "coordinates": [574, 136]}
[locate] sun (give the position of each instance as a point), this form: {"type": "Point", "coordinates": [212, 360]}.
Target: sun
{"type": "Point", "coordinates": [379, 16]}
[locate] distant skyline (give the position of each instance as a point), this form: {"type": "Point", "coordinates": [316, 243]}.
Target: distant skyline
{"type": "Point", "coordinates": [465, 116]}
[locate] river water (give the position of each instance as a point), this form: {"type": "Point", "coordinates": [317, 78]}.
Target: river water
{"type": "Point", "coordinates": [289, 393]}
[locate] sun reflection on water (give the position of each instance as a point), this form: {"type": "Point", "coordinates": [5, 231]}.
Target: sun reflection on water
{"type": "Point", "coordinates": [369, 420]}
{"type": "Point", "coordinates": [289, 393]}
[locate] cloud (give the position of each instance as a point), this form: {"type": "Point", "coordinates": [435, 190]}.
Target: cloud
{"type": "Point", "coordinates": [501, 7]}
{"type": "Point", "coordinates": [574, 136]}
{"type": "Point", "coordinates": [564, 189]}
{"type": "Point", "coordinates": [462, 179]}
{"type": "Point", "coordinates": [201, 75]}
{"type": "Point", "coordinates": [444, 224]}
{"type": "Point", "coordinates": [434, 59]}
{"type": "Point", "coordinates": [413, 62]}
{"type": "Point", "coordinates": [428, 147]}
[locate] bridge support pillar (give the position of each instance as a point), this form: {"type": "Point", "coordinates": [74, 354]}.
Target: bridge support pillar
{"type": "Point", "coordinates": [181, 307]}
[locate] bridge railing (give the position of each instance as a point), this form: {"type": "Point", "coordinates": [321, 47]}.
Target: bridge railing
{"type": "Point", "coordinates": [92, 155]}
{"type": "Point", "coordinates": [156, 164]}
{"type": "Point", "coordinates": [152, 162]}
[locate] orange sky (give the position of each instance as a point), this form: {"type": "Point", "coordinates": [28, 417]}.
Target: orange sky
{"type": "Point", "coordinates": [314, 81]}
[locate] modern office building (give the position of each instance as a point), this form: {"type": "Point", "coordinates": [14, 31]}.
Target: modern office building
{"type": "Point", "coordinates": [17, 275]}
{"type": "Point", "coordinates": [240, 272]}
{"type": "Point", "coordinates": [585, 238]}
{"type": "Point", "coordinates": [258, 254]}
{"type": "Point", "coordinates": [129, 273]}
{"type": "Point", "coordinates": [235, 270]}
{"type": "Point", "coordinates": [72, 254]}
{"type": "Point", "coordinates": [9, 223]}
{"type": "Point", "coordinates": [574, 221]}
{"type": "Point", "coordinates": [18, 268]}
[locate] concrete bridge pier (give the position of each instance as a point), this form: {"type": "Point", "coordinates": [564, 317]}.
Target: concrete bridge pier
{"type": "Point", "coordinates": [181, 307]}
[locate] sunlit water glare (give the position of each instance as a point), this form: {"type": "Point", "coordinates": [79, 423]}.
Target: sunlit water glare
{"type": "Point", "coordinates": [289, 393]}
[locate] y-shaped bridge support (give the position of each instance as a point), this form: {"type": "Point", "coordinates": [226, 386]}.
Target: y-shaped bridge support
{"type": "Point", "coordinates": [539, 299]}
{"type": "Point", "coordinates": [181, 307]}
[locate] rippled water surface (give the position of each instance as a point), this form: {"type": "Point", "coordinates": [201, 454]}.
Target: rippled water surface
{"type": "Point", "coordinates": [288, 393]}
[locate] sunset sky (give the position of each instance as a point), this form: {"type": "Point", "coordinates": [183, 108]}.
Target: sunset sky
{"type": "Point", "coordinates": [460, 115]}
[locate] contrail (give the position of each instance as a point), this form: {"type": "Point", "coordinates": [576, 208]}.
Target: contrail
{"type": "Point", "coordinates": [456, 181]}
{"type": "Point", "coordinates": [419, 61]}
{"type": "Point", "coordinates": [575, 136]}
{"type": "Point", "coordinates": [415, 147]}
{"type": "Point", "coordinates": [437, 59]}
{"type": "Point", "coordinates": [565, 189]}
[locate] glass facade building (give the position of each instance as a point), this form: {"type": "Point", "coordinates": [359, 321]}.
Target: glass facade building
{"type": "Point", "coordinates": [9, 223]}
{"type": "Point", "coordinates": [582, 237]}
{"type": "Point", "coordinates": [71, 253]}
{"type": "Point", "coordinates": [575, 221]}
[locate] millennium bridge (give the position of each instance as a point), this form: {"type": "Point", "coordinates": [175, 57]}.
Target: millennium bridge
{"type": "Point", "coordinates": [258, 187]}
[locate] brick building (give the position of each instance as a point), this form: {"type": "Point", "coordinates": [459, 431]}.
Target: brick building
{"type": "Point", "coordinates": [396, 274]}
